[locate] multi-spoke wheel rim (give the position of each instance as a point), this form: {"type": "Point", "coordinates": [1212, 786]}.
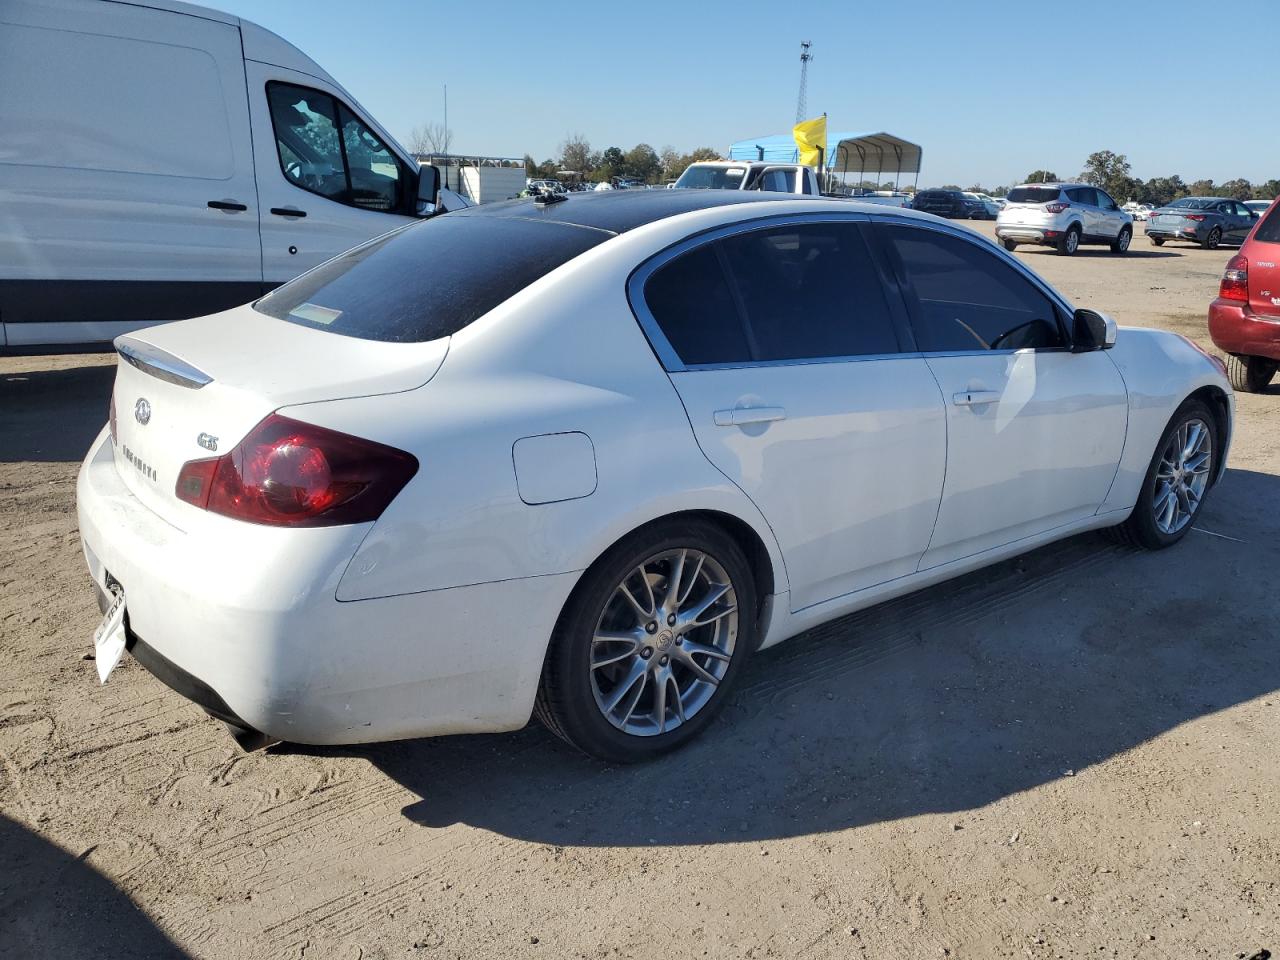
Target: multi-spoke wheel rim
{"type": "Point", "coordinates": [1072, 241]}
{"type": "Point", "coordinates": [664, 642]}
{"type": "Point", "coordinates": [1182, 475]}
{"type": "Point", "coordinates": [1215, 237]}
{"type": "Point", "coordinates": [1125, 236]}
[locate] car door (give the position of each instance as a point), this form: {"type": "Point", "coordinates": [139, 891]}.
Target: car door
{"type": "Point", "coordinates": [327, 178]}
{"type": "Point", "coordinates": [1111, 217]}
{"type": "Point", "coordinates": [1034, 431]}
{"type": "Point", "coordinates": [1240, 223]}
{"type": "Point", "coordinates": [788, 357]}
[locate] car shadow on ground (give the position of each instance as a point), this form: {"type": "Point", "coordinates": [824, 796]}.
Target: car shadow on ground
{"type": "Point", "coordinates": [939, 702]}
{"type": "Point", "coordinates": [1103, 252]}
{"type": "Point", "coordinates": [52, 416]}
{"type": "Point", "coordinates": [53, 904]}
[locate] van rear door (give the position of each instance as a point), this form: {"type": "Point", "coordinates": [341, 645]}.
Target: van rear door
{"type": "Point", "coordinates": [126, 170]}
{"type": "Point", "coordinates": [328, 179]}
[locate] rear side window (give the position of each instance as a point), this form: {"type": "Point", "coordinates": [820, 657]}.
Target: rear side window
{"type": "Point", "coordinates": [1268, 230]}
{"type": "Point", "coordinates": [799, 292]}
{"type": "Point", "coordinates": [967, 298]}
{"type": "Point", "coordinates": [1033, 195]}
{"type": "Point", "coordinates": [427, 280]}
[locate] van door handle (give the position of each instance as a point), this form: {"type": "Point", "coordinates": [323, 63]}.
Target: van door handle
{"type": "Point", "coordinates": [975, 398]}
{"type": "Point", "coordinates": [288, 212]}
{"type": "Point", "coordinates": [740, 416]}
{"type": "Point", "coordinates": [227, 205]}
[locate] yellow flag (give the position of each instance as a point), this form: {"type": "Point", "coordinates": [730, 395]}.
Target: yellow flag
{"type": "Point", "coordinates": [811, 137]}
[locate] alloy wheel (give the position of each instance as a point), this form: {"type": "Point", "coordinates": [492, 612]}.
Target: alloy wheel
{"type": "Point", "coordinates": [1182, 475]}
{"type": "Point", "coordinates": [663, 642]}
{"type": "Point", "coordinates": [1125, 237]}
{"type": "Point", "coordinates": [1073, 241]}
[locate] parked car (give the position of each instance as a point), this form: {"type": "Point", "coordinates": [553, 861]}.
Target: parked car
{"type": "Point", "coordinates": [176, 162]}
{"type": "Point", "coordinates": [750, 175]}
{"type": "Point", "coordinates": [1139, 211]}
{"type": "Point", "coordinates": [624, 446]}
{"type": "Point", "coordinates": [1244, 320]}
{"type": "Point", "coordinates": [990, 209]}
{"type": "Point", "coordinates": [953, 204]}
{"type": "Point", "coordinates": [1208, 221]}
{"type": "Point", "coordinates": [1063, 215]}
{"type": "Point", "coordinates": [1258, 206]}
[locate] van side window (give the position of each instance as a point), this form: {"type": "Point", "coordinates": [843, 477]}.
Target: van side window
{"type": "Point", "coordinates": [325, 149]}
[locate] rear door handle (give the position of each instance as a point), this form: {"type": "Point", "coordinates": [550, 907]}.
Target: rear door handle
{"type": "Point", "coordinates": [227, 205]}
{"type": "Point", "coordinates": [739, 416]}
{"type": "Point", "coordinates": [975, 398]}
{"type": "Point", "coordinates": [288, 212]}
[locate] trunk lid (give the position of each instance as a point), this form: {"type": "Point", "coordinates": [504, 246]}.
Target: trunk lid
{"type": "Point", "coordinates": [1263, 252]}
{"type": "Point", "coordinates": [190, 390]}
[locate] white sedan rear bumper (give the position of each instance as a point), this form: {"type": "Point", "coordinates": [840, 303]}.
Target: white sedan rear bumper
{"type": "Point", "coordinates": [252, 614]}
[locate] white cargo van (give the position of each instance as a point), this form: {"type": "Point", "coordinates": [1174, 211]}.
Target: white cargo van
{"type": "Point", "coordinates": [160, 160]}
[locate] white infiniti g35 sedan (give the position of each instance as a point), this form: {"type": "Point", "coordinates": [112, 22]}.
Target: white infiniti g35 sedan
{"type": "Point", "coordinates": [581, 457]}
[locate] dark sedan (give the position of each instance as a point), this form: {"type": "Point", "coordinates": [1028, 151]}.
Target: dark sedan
{"type": "Point", "coordinates": [1208, 221]}
{"type": "Point", "coordinates": [949, 203]}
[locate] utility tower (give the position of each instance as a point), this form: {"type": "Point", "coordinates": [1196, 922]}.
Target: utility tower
{"type": "Point", "coordinates": [805, 57]}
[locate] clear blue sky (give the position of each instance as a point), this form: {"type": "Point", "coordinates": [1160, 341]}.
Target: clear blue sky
{"type": "Point", "coordinates": [992, 90]}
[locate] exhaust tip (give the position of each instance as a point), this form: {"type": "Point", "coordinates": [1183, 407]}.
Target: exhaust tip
{"type": "Point", "coordinates": [249, 740]}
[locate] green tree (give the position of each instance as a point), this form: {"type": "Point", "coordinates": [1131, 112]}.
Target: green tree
{"type": "Point", "coordinates": [1162, 190]}
{"type": "Point", "coordinates": [575, 154]}
{"type": "Point", "coordinates": [1267, 191]}
{"type": "Point", "coordinates": [1237, 189]}
{"type": "Point", "coordinates": [642, 163]}
{"type": "Point", "coordinates": [1110, 171]}
{"type": "Point", "coordinates": [1041, 176]}
{"type": "Point", "coordinates": [1203, 188]}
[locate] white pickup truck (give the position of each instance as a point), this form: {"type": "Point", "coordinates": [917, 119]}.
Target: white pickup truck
{"type": "Point", "coordinates": [776, 177]}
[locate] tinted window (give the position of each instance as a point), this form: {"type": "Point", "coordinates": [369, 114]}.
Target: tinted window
{"type": "Point", "coordinates": [967, 298]}
{"type": "Point", "coordinates": [1080, 195]}
{"type": "Point", "coordinates": [325, 149]}
{"type": "Point", "coordinates": [810, 292]}
{"type": "Point", "coordinates": [1268, 231]}
{"type": "Point", "coordinates": [1033, 194]}
{"type": "Point", "coordinates": [429, 279]}
{"type": "Point", "coordinates": [776, 180]}
{"type": "Point", "coordinates": [690, 299]}
{"type": "Point", "coordinates": [1104, 200]}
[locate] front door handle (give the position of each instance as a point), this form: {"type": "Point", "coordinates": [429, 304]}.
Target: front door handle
{"type": "Point", "coordinates": [739, 416]}
{"type": "Point", "coordinates": [232, 205]}
{"type": "Point", "coordinates": [288, 212]}
{"type": "Point", "coordinates": [975, 398]}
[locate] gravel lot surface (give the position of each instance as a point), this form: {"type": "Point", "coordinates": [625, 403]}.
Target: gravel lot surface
{"type": "Point", "coordinates": [1074, 754]}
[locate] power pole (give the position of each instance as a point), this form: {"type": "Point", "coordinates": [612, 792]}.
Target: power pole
{"type": "Point", "coordinates": [805, 57]}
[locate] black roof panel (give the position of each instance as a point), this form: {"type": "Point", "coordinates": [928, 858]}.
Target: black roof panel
{"type": "Point", "coordinates": [620, 210]}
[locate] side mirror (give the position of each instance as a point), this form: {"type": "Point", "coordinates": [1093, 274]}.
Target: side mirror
{"type": "Point", "coordinates": [428, 190]}
{"type": "Point", "coordinates": [1092, 331]}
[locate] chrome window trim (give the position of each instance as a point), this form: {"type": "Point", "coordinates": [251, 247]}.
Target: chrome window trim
{"type": "Point", "coordinates": [983, 243]}
{"type": "Point", "coordinates": [667, 355]}
{"type": "Point", "coordinates": [160, 364]}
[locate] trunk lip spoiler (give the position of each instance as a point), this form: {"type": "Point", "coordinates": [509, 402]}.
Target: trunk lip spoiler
{"type": "Point", "coordinates": [161, 364]}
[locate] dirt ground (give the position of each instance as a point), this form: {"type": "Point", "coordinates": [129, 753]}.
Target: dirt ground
{"type": "Point", "coordinates": [1074, 754]}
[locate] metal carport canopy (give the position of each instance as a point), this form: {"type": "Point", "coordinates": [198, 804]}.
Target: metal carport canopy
{"type": "Point", "coordinates": [846, 152]}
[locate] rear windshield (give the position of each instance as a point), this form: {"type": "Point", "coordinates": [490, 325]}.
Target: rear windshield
{"type": "Point", "coordinates": [714, 178]}
{"type": "Point", "coordinates": [428, 280]}
{"type": "Point", "coordinates": [1033, 195]}
{"type": "Point", "coordinates": [1196, 203]}
{"type": "Point", "coordinates": [1269, 229]}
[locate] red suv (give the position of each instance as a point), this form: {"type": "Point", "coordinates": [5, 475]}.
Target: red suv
{"type": "Point", "coordinates": [1245, 319]}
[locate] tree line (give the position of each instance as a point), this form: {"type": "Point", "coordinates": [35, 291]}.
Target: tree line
{"type": "Point", "coordinates": [641, 162]}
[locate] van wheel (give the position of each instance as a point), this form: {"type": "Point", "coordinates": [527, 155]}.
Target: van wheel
{"type": "Point", "coordinates": [1178, 479]}
{"type": "Point", "coordinates": [1070, 241]}
{"type": "Point", "coordinates": [1009, 245]}
{"type": "Point", "coordinates": [1121, 243]}
{"type": "Point", "coordinates": [1250, 374]}
{"type": "Point", "coordinates": [651, 643]}
{"type": "Point", "coordinates": [1212, 240]}
{"type": "Point", "coordinates": [1157, 241]}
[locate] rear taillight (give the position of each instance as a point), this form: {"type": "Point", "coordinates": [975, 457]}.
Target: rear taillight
{"type": "Point", "coordinates": [1197, 217]}
{"type": "Point", "coordinates": [291, 474]}
{"type": "Point", "coordinates": [111, 418]}
{"type": "Point", "coordinates": [1056, 207]}
{"type": "Point", "coordinates": [1235, 279]}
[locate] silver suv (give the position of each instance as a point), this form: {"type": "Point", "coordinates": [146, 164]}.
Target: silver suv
{"type": "Point", "coordinates": [1063, 215]}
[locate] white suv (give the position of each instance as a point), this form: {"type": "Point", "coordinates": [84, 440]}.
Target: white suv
{"type": "Point", "coordinates": [1063, 215]}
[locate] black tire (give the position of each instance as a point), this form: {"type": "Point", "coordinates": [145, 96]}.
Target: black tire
{"type": "Point", "coordinates": [566, 703]}
{"type": "Point", "coordinates": [1070, 241]}
{"type": "Point", "coordinates": [1121, 243]}
{"type": "Point", "coordinates": [1157, 241]}
{"type": "Point", "coordinates": [1009, 245]}
{"type": "Point", "coordinates": [1250, 374]}
{"type": "Point", "coordinates": [1211, 239]}
{"type": "Point", "coordinates": [1140, 530]}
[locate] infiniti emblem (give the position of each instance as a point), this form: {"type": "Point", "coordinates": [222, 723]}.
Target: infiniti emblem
{"type": "Point", "coordinates": [142, 411]}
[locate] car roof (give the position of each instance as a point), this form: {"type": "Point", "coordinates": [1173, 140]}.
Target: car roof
{"type": "Point", "coordinates": [621, 210]}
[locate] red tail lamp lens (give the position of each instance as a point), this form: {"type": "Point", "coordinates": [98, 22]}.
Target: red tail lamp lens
{"type": "Point", "coordinates": [1235, 279]}
{"type": "Point", "coordinates": [1197, 217]}
{"type": "Point", "coordinates": [288, 473]}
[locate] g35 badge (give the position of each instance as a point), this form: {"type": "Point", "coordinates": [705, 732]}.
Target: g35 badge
{"type": "Point", "coordinates": [208, 441]}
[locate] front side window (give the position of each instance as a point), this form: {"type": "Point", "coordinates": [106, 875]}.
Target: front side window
{"type": "Point", "coordinates": [964, 297]}
{"type": "Point", "coordinates": [326, 149]}
{"type": "Point", "coordinates": [776, 180]}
